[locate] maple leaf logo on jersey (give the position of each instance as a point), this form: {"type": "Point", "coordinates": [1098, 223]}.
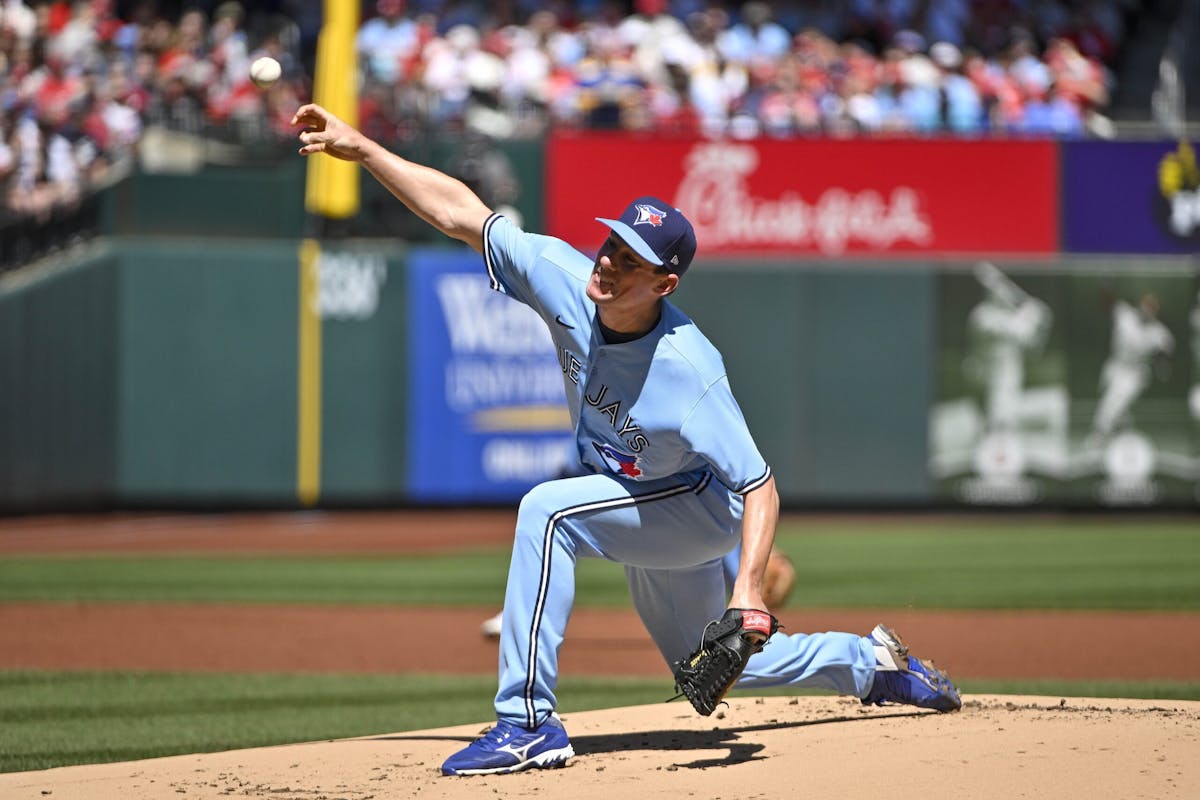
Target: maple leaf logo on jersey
{"type": "Point", "coordinates": [624, 463]}
{"type": "Point", "coordinates": [649, 215]}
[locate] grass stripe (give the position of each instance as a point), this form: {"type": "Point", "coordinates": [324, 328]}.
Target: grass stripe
{"type": "Point", "coordinates": [58, 718]}
{"type": "Point", "coordinates": [1129, 564]}
{"type": "Point", "coordinates": [61, 718]}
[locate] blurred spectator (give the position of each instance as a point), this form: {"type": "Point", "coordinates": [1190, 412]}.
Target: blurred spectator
{"type": "Point", "coordinates": [647, 35]}
{"type": "Point", "coordinates": [80, 87]}
{"type": "Point", "coordinates": [1080, 79]}
{"type": "Point", "coordinates": [18, 19]}
{"type": "Point", "coordinates": [693, 67]}
{"type": "Point", "coordinates": [919, 101]}
{"type": "Point", "coordinates": [962, 104]}
{"type": "Point", "coordinates": [946, 21]}
{"type": "Point", "coordinates": [1049, 113]}
{"type": "Point", "coordinates": [451, 63]}
{"type": "Point", "coordinates": [227, 48]}
{"type": "Point", "coordinates": [388, 43]}
{"type": "Point", "coordinates": [755, 38]}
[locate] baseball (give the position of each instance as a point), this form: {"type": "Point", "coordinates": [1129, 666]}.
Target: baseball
{"type": "Point", "coordinates": [265, 71]}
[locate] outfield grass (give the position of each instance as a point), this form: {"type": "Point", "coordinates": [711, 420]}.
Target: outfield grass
{"type": "Point", "coordinates": [955, 563]}
{"type": "Point", "coordinates": [55, 718]}
{"type": "Point", "coordinates": [59, 718]}
{"type": "Point", "coordinates": [50, 719]}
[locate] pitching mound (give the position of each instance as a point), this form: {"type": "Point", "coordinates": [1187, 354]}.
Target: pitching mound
{"type": "Point", "coordinates": [998, 747]}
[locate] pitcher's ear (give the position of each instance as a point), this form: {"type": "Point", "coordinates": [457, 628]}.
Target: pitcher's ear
{"type": "Point", "coordinates": [668, 284]}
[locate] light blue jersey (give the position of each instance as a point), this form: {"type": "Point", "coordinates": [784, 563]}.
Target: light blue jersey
{"type": "Point", "coordinates": [671, 456]}
{"type": "Point", "coordinates": [656, 407]}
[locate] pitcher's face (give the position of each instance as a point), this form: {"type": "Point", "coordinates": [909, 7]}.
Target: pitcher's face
{"type": "Point", "coordinates": [621, 276]}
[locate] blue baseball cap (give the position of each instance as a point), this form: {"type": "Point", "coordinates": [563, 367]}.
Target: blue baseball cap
{"type": "Point", "coordinates": [658, 232]}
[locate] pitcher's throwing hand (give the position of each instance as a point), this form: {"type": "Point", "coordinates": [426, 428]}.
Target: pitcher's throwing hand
{"type": "Point", "coordinates": [325, 133]}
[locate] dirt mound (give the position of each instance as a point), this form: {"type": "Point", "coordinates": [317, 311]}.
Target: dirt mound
{"type": "Point", "coordinates": [997, 747]}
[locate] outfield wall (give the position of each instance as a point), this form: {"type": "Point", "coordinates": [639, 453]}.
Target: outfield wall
{"type": "Point", "coordinates": [897, 336]}
{"type": "Point", "coordinates": [165, 372]}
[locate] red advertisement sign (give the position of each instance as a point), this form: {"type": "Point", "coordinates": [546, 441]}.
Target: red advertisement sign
{"type": "Point", "coordinates": [817, 198]}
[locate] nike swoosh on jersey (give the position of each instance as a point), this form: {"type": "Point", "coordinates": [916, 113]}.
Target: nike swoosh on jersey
{"type": "Point", "coordinates": [558, 318]}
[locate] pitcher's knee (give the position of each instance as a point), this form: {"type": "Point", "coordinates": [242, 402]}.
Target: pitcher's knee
{"type": "Point", "coordinates": [537, 508]}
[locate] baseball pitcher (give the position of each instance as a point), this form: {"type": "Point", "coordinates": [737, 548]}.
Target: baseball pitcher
{"type": "Point", "coordinates": [675, 480]}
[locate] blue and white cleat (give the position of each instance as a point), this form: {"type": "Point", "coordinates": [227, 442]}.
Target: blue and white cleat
{"type": "Point", "coordinates": [511, 748]}
{"type": "Point", "coordinates": [901, 678]}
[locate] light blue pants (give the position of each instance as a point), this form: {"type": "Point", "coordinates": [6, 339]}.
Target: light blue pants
{"type": "Point", "coordinates": [671, 535]}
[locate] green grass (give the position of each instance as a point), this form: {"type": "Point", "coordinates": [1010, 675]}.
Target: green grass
{"type": "Point", "coordinates": [58, 718]}
{"type": "Point", "coordinates": [50, 719]}
{"type": "Point", "coordinates": [1126, 564]}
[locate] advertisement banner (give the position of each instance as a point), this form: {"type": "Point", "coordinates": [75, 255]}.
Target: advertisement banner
{"type": "Point", "coordinates": [1131, 197]}
{"type": "Point", "coordinates": [1075, 388]}
{"type": "Point", "coordinates": [487, 414]}
{"type": "Point", "coordinates": [827, 198]}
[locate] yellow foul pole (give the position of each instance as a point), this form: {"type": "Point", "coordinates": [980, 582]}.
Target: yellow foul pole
{"type": "Point", "coordinates": [332, 189]}
{"type": "Point", "coordinates": [331, 192]}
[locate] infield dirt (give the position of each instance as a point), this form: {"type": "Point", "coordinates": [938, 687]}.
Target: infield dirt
{"type": "Point", "coordinates": [810, 747]}
{"type": "Point", "coordinates": [997, 748]}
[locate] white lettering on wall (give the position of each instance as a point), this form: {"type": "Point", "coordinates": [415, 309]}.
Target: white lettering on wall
{"type": "Point", "coordinates": [502, 354]}
{"type": "Point", "coordinates": [349, 285]}
{"type": "Point", "coordinates": [525, 460]}
{"type": "Point", "coordinates": [474, 383]}
{"type": "Point", "coordinates": [716, 193]}
{"type": "Point", "coordinates": [480, 320]}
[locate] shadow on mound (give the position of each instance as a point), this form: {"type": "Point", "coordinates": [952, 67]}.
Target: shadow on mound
{"type": "Point", "coordinates": [728, 739]}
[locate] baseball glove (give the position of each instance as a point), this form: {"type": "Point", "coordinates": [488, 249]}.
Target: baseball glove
{"type": "Point", "coordinates": [727, 644]}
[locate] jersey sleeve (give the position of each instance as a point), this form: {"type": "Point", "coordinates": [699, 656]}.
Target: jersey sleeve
{"type": "Point", "coordinates": [537, 270]}
{"type": "Point", "coordinates": [716, 430]}
{"type": "Point", "coordinates": [508, 255]}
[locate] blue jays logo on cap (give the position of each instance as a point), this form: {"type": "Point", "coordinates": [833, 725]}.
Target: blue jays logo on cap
{"type": "Point", "coordinates": [649, 215]}
{"type": "Point", "coordinates": [665, 238]}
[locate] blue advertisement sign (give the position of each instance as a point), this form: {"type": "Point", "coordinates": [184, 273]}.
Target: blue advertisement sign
{"type": "Point", "coordinates": [1131, 197]}
{"type": "Point", "coordinates": [487, 414]}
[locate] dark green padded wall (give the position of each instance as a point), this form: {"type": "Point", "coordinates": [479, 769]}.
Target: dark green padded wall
{"type": "Point", "coordinates": [58, 394]}
{"type": "Point", "coordinates": [207, 382]}
{"type": "Point", "coordinates": [832, 369]}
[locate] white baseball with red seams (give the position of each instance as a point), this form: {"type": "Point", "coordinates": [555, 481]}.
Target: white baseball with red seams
{"type": "Point", "coordinates": [265, 71]}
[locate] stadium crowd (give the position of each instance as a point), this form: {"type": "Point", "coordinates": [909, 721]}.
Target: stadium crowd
{"type": "Point", "coordinates": [81, 84]}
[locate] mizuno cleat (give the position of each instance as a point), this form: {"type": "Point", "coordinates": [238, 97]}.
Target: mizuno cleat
{"type": "Point", "coordinates": [511, 748]}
